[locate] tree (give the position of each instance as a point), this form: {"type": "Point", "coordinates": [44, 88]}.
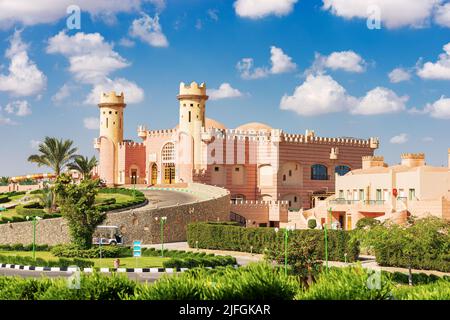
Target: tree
{"type": "Point", "coordinates": [4, 181]}
{"type": "Point", "coordinates": [76, 203]}
{"type": "Point", "coordinates": [46, 198]}
{"type": "Point", "coordinates": [84, 166]}
{"type": "Point", "coordinates": [54, 153]}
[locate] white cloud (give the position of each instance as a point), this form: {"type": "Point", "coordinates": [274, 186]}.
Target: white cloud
{"type": "Point", "coordinates": [133, 93]}
{"type": "Point", "coordinates": [62, 93]}
{"type": "Point", "coordinates": [344, 60]}
{"type": "Point", "coordinates": [394, 14]}
{"type": "Point", "coordinates": [280, 63]}
{"type": "Point", "coordinates": [399, 139]}
{"type": "Point", "coordinates": [149, 30]}
{"type": "Point", "coordinates": [398, 75]}
{"type": "Point", "coordinates": [48, 11]}
{"type": "Point", "coordinates": [24, 77]}
{"type": "Point", "coordinates": [34, 144]}
{"type": "Point", "coordinates": [213, 14]}
{"type": "Point", "coordinates": [20, 108]}
{"type": "Point", "coordinates": [319, 94]}
{"type": "Point", "coordinates": [223, 92]}
{"type": "Point", "coordinates": [199, 24]}
{"type": "Point", "coordinates": [442, 15]}
{"type": "Point", "coordinates": [427, 139]}
{"type": "Point", "coordinates": [380, 101]}
{"type": "Point", "coordinates": [438, 70]}
{"type": "Point", "coordinates": [6, 121]}
{"type": "Point", "coordinates": [256, 9]}
{"type": "Point", "coordinates": [124, 42]}
{"type": "Point", "coordinates": [91, 123]}
{"type": "Point", "coordinates": [90, 57]}
{"type": "Point", "coordinates": [440, 109]}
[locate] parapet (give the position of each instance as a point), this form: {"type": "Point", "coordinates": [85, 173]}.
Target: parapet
{"type": "Point", "coordinates": [112, 98]}
{"type": "Point", "coordinates": [415, 156]}
{"type": "Point", "coordinates": [261, 204]}
{"type": "Point", "coordinates": [413, 159]}
{"type": "Point", "coordinates": [372, 161]}
{"type": "Point", "coordinates": [193, 89]}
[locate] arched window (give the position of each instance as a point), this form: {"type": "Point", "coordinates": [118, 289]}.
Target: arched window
{"type": "Point", "coordinates": [168, 153]}
{"type": "Point", "coordinates": [319, 172]}
{"type": "Point", "coordinates": [342, 170]}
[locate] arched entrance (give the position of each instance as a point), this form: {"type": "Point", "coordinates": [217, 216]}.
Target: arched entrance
{"type": "Point", "coordinates": [169, 173]}
{"type": "Point", "coordinates": [168, 162]}
{"type": "Point", "coordinates": [154, 174]}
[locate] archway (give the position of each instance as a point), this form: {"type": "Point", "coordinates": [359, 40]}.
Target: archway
{"type": "Point", "coordinates": [154, 174]}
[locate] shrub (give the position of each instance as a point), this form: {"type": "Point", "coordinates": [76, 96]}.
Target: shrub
{"type": "Point", "coordinates": [4, 199]}
{"type": "Point", "coordinates": [366, 222]}
{"type": "Point", "coordinates": [259, 240]}
{"type": "Point", "coordinates": [71, 251]}
{"type": "Point", "coordinates": [139, 198]}
{"type": "Point", "coordinates": [438, 290]}
{"type": "Point", "coordinates": [312, 224]}
{"type": "Point", "coordinates": [349, 283]}
{"type": "Point", "coordinates": [29, 261]}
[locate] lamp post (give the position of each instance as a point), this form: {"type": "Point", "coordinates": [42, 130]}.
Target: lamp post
{"type": "Point", "coordinates": [286, 236]}
{"type": "Point", "coordinates": [326, 240]}
{"type": "Point", "coordinates": [162, 221]}
{"type": "Point", "coordinates": [34, 234]}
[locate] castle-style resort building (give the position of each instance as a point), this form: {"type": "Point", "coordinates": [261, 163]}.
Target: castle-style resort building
{"type": "Point", "coordinates": [273, 177]}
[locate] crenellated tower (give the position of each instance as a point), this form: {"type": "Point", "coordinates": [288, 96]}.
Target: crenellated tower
{"type": "Point", "coordinates": [192, 99]}
{"type": "Point", "coordinates": [111, 108]}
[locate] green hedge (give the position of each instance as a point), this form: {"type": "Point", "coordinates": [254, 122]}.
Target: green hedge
{"type": "Point", "coordinates": [22, 247]}
{"type": "Point", "coordinates": [29, 261]}
{"type": "Point", "coordinates": [31, 209]}
{"type": "Point", "coordinates": [216, 261]}
{"type": "Point", "coordinates": [70, 251]}
{"type": "Point", "coordinates": [139, 198]}
{"type": "Point", "coordinates": [23, 218]}
{"type": "Point", "coordinates": [12, 193]}
{"type": "Point", "coordinates": [225, 237]}
{"type": "Point", "coordinates": [4, 199]}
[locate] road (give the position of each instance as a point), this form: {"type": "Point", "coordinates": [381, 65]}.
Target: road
{"type": "Point", "coordinates": [165, 198]}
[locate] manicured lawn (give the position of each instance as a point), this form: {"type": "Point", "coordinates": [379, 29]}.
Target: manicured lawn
{"type": "Point", "coordinates": [129, 262]}
{"type": "Point", "coordinates": [119, 197]}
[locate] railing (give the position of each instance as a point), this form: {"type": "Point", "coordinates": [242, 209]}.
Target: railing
{"type": "Point", "coordinates": [402, 199]}
{"type": "Point", "coordinates": [350, 202]}
{"type": "Point", "coordinates": [343, 201]}
{"type": "Point", "coordinates": [374, 202]}
{"type": "Point", "coordinates": [238, 218]}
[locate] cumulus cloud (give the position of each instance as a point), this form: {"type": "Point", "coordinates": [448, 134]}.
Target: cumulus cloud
{"type": "Point", "coordinates": [380, 101]}
{"type": "Point", "coordinates": [133, 93]}
{"type": "Point", "coordinates": [91, 61]}
{"type": "Point", "coordinates": [440, 109]}
{"type": "Point", "coordinates": [348, 61]}
{"type": "Point", "coordinates": [149, 30]}
{"type": "Point", "coordinates": [321, 94]}
{"type": "Point", "coordinates": [213, 14]}
{"type": "Point", "coordinates": [398, 75]}
{"type": "Point", "coordinates": [34, 144]}
{"type": "Point", "coordinates": [427, 139]}
{"type": "Point", "coordinates": [257, 9]}
{"type": "Point", "coordinates": [20, 108]}
{"type": "Point", "coordinates": [48, 11]}
{"type": "Point", "coordinates": [399, 139]}
{"type": "Point", "coordinates": [438, 70]}
{"type": "Point", "coordinates": [91, 123]}
{"type": "Point", "coordinates": [124, 42]}
{"type": "Point", "coordinates": [6, 121]}
{"type": "Point", "coordinates": [280, 63]}
{"type": "Point", "coordinates": [24, 78]}
{"type": "Point", "coordinates": [224, 91]}
{"type": "Point", "coordinates": [442, 15]}
{"type": "Point", "coordinates": [394, 14]}
{"type": "Point", "coordinates": [62, 93]}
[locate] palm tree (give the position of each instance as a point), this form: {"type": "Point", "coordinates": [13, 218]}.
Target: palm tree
{"type": "Point", "coordinates": [54, 153]}
{"type": "Point", "coordinates": [84, 166]}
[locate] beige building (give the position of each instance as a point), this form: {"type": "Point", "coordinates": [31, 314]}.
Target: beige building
{"type": "Point", "coordinates": [411, 188]}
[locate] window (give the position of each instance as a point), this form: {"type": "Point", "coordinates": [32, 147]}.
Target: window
{"type": "Point", "coordinates": [284, 177]}
{"type": "Point", "coordinates": [319, 172]}
{"type": "Point", "coordinates": [361, 194]}
{"type": "Point", "coordinates": [192, 104]}
{"type": "Point", "coordinates": [216, 169]}
{"type": "Point", "coordinates": [290, 173]}
{"type": "Point", "coordinates": [189, 116]}
{"type": "Point", "coordinates": [341, 194]}
{"type": "Point", "coordinates": [168, 153]}
{"type": "Point", "coordinates": [106, 122]}
{"type": "Point", "coordinates": [379, 196]}
{"type": "Point", "coordinates": [295, 199]}
{"type": "Point", "coordinates": [110, 112]}
{"type": "Point", "coordinates": [412, 194]}
{"type": "Point", "coordinates": [342, 170]}
{"type": "Point", "coordinates": [236, 169]}
{"type": "Point", "coordinates": [116, 112]}
{"type": "Point", "coordinates": [184, 104]}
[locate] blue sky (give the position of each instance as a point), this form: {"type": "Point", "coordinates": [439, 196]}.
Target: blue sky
{"type": "Point", "coordinates": [315, 65]}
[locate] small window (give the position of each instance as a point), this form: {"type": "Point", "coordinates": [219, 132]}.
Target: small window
{"type": "Point", "coordinates": [295, 199]}
{"type": "Point", "coordinates": [236, 169]}
{"type": "Point", "coordinates": [290, 203]}
{"type": "Point", "coordinates": [189, 116]}
{"type": "Point", "coordinates": [104, 112]}
{"type": "Point", "coordinates": [198, 105]}
{"type": "Point", "coordinates": [110, 112]}
{"type": "Point", "coordinates": [290, 173]}
{"type": "Point", "coordinates": [216, 169]}
{"type": "Point", "coordinates": [106, 122]}
{"type": "Point", "coordinates": [192, 104]}
{"type": "Point", "coordinates": [412, 194]}
{"type": "Point", "coordinates": [116, 112]}
{"type": "Point", "coordinates": [284, 177]}
{"type": "Point", "coordinates": [184, 104]}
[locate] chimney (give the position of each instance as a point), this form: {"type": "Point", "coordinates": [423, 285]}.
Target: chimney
{"type": "Point", "coordinates": [413, 159]}
{"type": "Point", "coordinates": [372, 161]}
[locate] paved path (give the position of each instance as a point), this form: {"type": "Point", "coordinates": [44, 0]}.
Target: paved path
{"type": "Point", "coordinates": [165, 198]}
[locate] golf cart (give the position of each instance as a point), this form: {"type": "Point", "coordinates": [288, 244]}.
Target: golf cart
{"type": "Point", "coordinates": [107, 235]}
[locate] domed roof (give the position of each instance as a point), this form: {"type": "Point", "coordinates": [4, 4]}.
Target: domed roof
{"type": "Point", "coordinates": [254, 126]}
{"type": "Point", "coordinates": [211, 123]}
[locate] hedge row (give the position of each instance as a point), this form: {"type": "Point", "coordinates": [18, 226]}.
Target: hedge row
{"type": "Point", "coordinates": [70, 251]}
{"type": "Point", "coordinates": [216, 261]}
{"type": "Point", "coordinates": [22, 247]}
{"type": "Point", "coordinates": [29, 261]}
{"type": "Point", "coordinates": [139, 198]}
{"type": "Point", "coordinates": [12, 193]}
{"type": "Point", "coordinates": [4, 199]}
{"type": "Point", "coordinates": [23, 218]}
{"type": "Point", "coordinates": [257, 240]}
{"type": "Point", "coordinates": [31, 209]}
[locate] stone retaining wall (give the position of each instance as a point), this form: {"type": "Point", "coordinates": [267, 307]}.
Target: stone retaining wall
{"type": "Point", "coordinates": [137, 224]}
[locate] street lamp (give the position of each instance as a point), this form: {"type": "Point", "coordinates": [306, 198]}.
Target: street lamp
{"type": "Point", "coordinates": [286, 235]}
{"type": "Point", "coordinates": [326, 239]}
{"type": "Point", "coordinates": [162, 221]}
{"type": "Point", "coordinates": [34, 233]}
{"type": "Point", "coordinates": [134, 184]}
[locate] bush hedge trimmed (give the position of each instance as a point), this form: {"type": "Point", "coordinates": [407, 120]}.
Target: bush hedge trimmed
{"type": "Point", "coordinates": [257, 240]}
{"type": "Point", "coordinates": [23, 218]}
{"type": "Point", "coordinates": [22, 247]}
{"type": "Point", "coordinates": [4, 199]}
{"type": "Point", "coordinates": [70, 251]}
{"type": "Point", "coordinates": [139, 198]}
{"type": "Point", "coordinates": [31, 209]}
{"type": "Point", "coordinates": [29, 261]}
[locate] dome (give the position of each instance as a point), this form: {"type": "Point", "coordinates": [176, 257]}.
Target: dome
{"type": "Point", "coordinates": [254, 126]}
{"type": "Point", "coordinates": [211, 123]}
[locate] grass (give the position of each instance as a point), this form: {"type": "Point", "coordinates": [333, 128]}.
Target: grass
{"type": "Point", "coordinates": [128, 262]}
